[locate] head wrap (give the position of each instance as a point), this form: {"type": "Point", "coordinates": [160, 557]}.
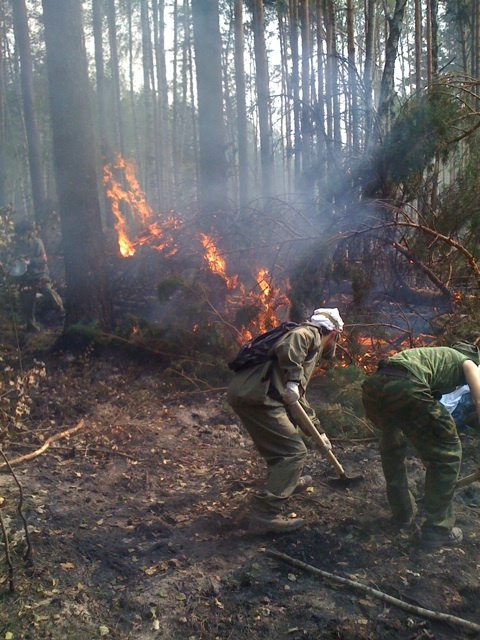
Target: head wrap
{"type": "Point", "coordinates": [328, 319]}
{"type": "Point", "coordinates": [469, 350]}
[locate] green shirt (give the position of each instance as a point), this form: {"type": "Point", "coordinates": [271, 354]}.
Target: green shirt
{"type": "Point", "coordinates": [440, 368]}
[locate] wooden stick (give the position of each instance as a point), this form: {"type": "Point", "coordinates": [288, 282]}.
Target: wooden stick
{"type": "Point", "coordinates": [46, 444]}
{"type": "Point", "coordinates": [419, 611]}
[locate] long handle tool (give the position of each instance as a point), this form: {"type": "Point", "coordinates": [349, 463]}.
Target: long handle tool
{"type": "Point", "coordinates": [302, 417]}
{"type": "Point", "coordinates": [473, 477]}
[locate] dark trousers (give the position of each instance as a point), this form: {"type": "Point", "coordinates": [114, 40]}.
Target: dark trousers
{"type": "Point", "coordinates": [28, 296]}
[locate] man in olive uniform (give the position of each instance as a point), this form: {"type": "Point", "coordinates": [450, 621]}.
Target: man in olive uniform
{"type": "Point", "coordinates": [400, 398]}
{"type": "Point", "coordinates": [30, 249]}
{"type": "Point", "coordinates": [260, 396]}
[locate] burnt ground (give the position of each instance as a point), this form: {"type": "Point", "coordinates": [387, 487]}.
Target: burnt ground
{"type": "Point", "coordinates": [138, 525]}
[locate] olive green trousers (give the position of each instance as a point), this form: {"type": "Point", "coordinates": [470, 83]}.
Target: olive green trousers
{"type": "Point", "coordinates": [281, 445]}
{"type": "Point", "coordinates": [405, 410]}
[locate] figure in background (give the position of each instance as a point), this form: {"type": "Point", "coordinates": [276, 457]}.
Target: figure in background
{"type": "Point", "coordinates": [260, 396]}
{"type": "Point", "coordinates": [400, 398]}
{"type": "Point", "coordinates": [30, 249]}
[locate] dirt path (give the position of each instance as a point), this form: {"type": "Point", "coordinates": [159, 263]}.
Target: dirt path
{"type": "Point", "coordinates": [138, 528]}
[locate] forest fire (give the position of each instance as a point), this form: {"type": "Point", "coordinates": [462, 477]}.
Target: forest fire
{"type": "Point", "coordinates": [267, 300]}
{"type": "Point", "coordinates": [215, 260]}
{"type": "Point", "coordinates": [133, 214]}
{"type": "Point", "coordinates": [374, 348]}
{"type": "Point", "coordinates": [135, 227]}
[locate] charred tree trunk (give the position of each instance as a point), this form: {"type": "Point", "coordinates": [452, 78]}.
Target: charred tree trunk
{"type": "Point", "coordinates": [88, 299]}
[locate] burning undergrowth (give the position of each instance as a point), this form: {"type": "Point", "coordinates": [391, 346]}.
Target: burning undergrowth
{"type": "Point", "coordinates": [170, 273]}
{"type": "Point", "coordinates": [199, 294]}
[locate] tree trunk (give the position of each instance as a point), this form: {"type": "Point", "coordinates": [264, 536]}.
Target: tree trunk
{"type": "Point", "coordinates": [476, 44]}
{"type": "Point", "coordinates": [295, 88]}
{"type": "Point", "coordinates": [368, 69]}
{"type": "Point", "coordinates": [3, 133]}
{"type": "Point", "coordinates": [22, 40]}
{"type": "Point", "coordinates": [306, 100]}
{"type": "Point", "coordinates": [263, 97]}
{"type": "Point", "coordinates": [175, 107]}
{"type": "Point", "coordinates": [150, 113]}
{"type": "Point", "coordinates": [387, 88]}
{"type": "Point", "coordinates": [418, 45]}
{"type": "Point", "coordinates": [429, 44]}
{"type": "Point", "coordinates": [320, 106]}
{"type": "Point", "coordinates": [286, 108]}
{"type": "Point", "coordinates": [352, 79]}
{"type": "Point", "coordinates": [240, 93]}
{"type": "Point", "coordinates": [97, 20]}
{"type": "Point", "coordinates": [212, 159]}
{"type": "Point", "coordinates": [75, 169]}
{"type": "Point", "coordinates": [115, 73]}
{"type": "Point", "coordinates": [330, 85]}
{"type": "Point", "coordinates": [102, 125]}
{"type": "Point", "coordinates": [163, 141]}
{"type": "Point", "coordinates": [132, 91]}
{"type": "Point", "coordinates": [434, 39]}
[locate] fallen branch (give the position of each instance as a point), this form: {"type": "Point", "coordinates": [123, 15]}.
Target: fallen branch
{"type": "Point", "coordinates": [45, 445]}
{"type": "Point", "coordinates": [87, 450]}
{"type": "Point", "coordinates": [419, 611]}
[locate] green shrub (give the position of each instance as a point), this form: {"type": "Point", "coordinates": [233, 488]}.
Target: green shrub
{"type": "Point", "coordinates": [339, 406]}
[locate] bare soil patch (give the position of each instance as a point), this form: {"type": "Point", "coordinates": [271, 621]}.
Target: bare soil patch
{"type": "Point", "coordinates": [138, 526]}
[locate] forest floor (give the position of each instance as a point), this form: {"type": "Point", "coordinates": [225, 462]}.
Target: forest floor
{"type": "Point", "coordinates": [138, 524]}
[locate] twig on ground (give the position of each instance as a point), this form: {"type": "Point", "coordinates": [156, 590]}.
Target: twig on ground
{"type": "Point", "coordinates": [45, 445]}
{"type": "Point", "coordinates": [419, 611]}
{"type": "Point", "coordinates": [89, 449]}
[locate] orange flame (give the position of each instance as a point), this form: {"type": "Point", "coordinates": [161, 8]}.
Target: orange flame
{"type": "Point", "coordinates": [134, 216]}
{"type": "Point", "coordinates": [124, 193]}
{"type": "Point", "coordinates": [215, 261]}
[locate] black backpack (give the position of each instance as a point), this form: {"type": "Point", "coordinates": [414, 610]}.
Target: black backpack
{"type": "Point", "coordinates": [257, 350]}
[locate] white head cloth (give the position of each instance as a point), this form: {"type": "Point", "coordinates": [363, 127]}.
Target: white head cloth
{"type": "Point", "coordinates": [329, 319]}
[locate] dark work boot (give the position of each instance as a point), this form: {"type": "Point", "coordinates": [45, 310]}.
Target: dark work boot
{"type": "Point", "coordinates": [432, 539]}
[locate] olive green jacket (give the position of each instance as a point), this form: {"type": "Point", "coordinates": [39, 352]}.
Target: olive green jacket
{"type": "Point", "coordinates": [294, 359]}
